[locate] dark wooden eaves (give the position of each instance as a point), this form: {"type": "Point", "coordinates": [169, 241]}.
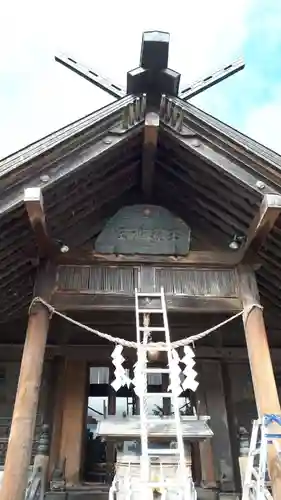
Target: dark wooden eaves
{"type": "Point", "coordinates": [62, 153]}
{"type": "Point", "coordinates": [245, 151]}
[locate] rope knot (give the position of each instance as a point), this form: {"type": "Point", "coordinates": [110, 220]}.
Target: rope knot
{"type": "Point", "coordinates": [247, 311]}
{"type": "Point", "coordinates": [39, 300]}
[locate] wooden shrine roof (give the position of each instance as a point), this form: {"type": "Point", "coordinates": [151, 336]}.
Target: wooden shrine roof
{"type": "Point", "coordinates": [211, 175]}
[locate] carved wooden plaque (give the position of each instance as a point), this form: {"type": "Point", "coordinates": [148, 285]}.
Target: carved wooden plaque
{"type": "Point", "coordinates": [144, 229]}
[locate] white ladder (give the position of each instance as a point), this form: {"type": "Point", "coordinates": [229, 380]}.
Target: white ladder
{"type": "Point", "coordinates": [268, 430]}
{"type": "Point", "coordinates": [143, 338]}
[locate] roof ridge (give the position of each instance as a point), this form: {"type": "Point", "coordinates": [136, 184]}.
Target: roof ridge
{"type": "Point", "coordinates": [39, 147]}
{"type": "Point", "coordinates": [232, 133]}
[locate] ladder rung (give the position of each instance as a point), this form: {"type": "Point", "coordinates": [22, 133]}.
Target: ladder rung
{"type": "Point", "coordinates": [149, 294]}
{"type": "Point", "coordinates": [157, 370]}
{"type": "Point", "coordinates": [167, 451]}
{"type": "Point", "coordinates": [144, 311]}
{"type": "Point", "coordinates": [152, 328]}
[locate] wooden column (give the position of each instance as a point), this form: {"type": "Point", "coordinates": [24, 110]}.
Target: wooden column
{"type": "Point", "coordinates": [58, 388]}
{"type": "Point", "coordinates": [25, 409]}
{"type": "Point", "coordinates": [208, 476]}
{"type": "Point", "coordinates": [211, 380]}
{"type": "Point", "coordinates": [73, 430]}
{"type": "Point", "coordinates": [264, 384]}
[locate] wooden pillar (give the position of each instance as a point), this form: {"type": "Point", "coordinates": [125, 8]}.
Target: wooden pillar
{"type": "Point", "coordinates": [25, 409]}
{"type": "Point", "coordinates": [264, 384]}
{"type": "Point", "coordinates": [211, 380]}
{"type": "Point", "coordinates": [58, 388]}
{"type": "Point", "coordinates": [208, 476]}
{"type": "Point", "coordinates": [73, 431]}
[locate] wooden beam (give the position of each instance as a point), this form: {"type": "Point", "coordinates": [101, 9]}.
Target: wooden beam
{"type": "Point", "coordinates": [25, 409]}
{"type": "Point", "coordinates": [151, 130]}
{"type": "Point", "coordinates": [77, 301]}
{"type": "Point", "coordinates": [261, 225]}
{"type": "Point", "coordinates": [33, 199]}
{"type": "Point", "coordinates": [194, 258]}
{"type": "Point", "coordinates": [265, 390]}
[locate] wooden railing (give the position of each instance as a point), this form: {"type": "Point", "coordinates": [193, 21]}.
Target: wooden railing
{"type": "Point", "coordinates": [5, 425]}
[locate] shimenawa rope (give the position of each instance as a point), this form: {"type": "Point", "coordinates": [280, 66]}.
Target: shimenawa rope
{"type": "Point", "coordinates": [126, 343]}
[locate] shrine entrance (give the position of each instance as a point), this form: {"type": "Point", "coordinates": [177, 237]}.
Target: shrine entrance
{"type": "Point", "coordinates": [99, 456]}
{"type": "Point", "coordinates": [102, 401]}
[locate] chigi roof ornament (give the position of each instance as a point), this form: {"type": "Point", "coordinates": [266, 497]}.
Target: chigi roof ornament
{"type": "Point", "coordinates": [152, 76]}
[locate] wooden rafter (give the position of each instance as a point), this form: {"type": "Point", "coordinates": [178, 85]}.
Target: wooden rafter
{"type": "Point", "coordinates": [33, 199]}
{"type": "Point", "coordinates": [203, 148]}
{"type": "Point", "coordinates": [151, 129]}
{"type": "Point", "coordinates": [261, 225]}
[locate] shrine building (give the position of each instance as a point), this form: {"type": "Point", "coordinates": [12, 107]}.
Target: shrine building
{"type": "Point", "coordinates": [147, 193]}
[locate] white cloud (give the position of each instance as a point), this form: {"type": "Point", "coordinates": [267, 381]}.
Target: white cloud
{"type": "Point", "coordinates": [38, 96]}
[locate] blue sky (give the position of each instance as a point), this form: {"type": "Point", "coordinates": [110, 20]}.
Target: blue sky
{"type": "Point", "coordinates": [251, 101]}
{"type": "Point", "coordinates": [38, 96]}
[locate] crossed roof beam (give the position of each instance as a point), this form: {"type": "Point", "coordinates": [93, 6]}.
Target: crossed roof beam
{"type": "Point", "coordinates": [152, 71]}
{"type": "Point", "coordinates": [153, 78]}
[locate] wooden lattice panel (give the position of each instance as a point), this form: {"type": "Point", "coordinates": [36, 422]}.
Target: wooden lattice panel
{"type": "Point", "coordinates": [124, 279]}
